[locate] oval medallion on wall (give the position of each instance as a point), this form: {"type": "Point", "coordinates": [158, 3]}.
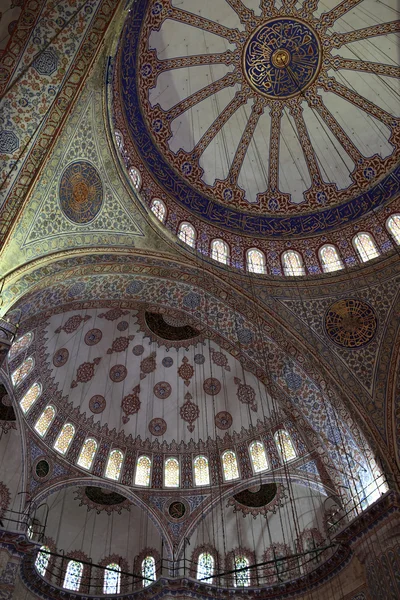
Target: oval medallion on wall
{"type": "Point", "coordinates": [350, 323]}
{"type": "Point", "coordinates": [81, 192]}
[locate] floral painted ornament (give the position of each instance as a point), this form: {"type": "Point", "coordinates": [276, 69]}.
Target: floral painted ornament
{"type": "Point", "coordinates": [131, 404]}
{"type": "Point", "coordinates": [189, 412]}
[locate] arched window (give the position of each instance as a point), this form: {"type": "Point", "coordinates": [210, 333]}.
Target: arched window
{"type": "Point", "coordinates": [220, 251]}
{"type": "Point", "coordinates": [292, 263]}
{"type": "Point", "coordinates": [73, 575]}
{"type": "Point", "coordinates": [242, 573]}
{"type": "Point", "coordinates": [258, 456]}
{"type": "Point", "coordinates": [229, 465]}
{"type": "Point", "coordinates": [365, 246]}
{"type": "Point", "coordinates": [87, 453]}
{"type": "Point", "coordinates": [44, 421]}
{"type": "Point", "coordinates": [42, 560]}
{"type": "Point", "coordinates": [119, 139]}
{"type": "Point", "coordinates": [30, 397]}
{"type": "Point", "coordinates": [285, 445]}
{"type": "Point", "coordinates": [23, 371]}
{"type": "Point", "coordinates": [135, 178]}
{"type": "Point", "coordinates": [158, 208]}
{"type": "Point", "coordinates": [201, 470]}
{"type": "Point", "coordinates": [64, 438]}
{"type": "Point", "coordinates": [112, 579]}
{"type": "Point", "coordinates": [187, 234]}
{"type": "Point", "coordinates": [148, 570]}
{"type": "Point", "coordinates": [330, 259]}
{"type": "Point", "coordinates": [171, 472]}
{"type": "Point", "coordinates": [143, 468]}
{"type": "Point", "coordinates": [114, 465]}
{"type": "Point", "coordinates": [255, 261]}
{"type": "Point", "coordinates": [20, 344]}
{"type": "Point", "coordinates": [205, 567]}
{"type": "Point", "coordinates": [393, 225]}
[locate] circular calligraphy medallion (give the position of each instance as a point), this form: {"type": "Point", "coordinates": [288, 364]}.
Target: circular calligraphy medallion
{"type": "Point", "coordinates": [350, 323]}
{"type": "Point", "coordinates": [157, 426]}
{"type": "Point", "coordinates": [60, 357]}
{"type": "Point", "coordinates": [177, 510]}
{"type": "Point", "coordinates": [97, 404]}
{"type": "Point", "coordinates": [282, 58]}
{"type": "Point", "coordinates": [81, 192]}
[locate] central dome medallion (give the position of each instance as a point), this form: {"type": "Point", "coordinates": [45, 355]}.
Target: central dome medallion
{"type": "Point", "coordinates": [281, 58]}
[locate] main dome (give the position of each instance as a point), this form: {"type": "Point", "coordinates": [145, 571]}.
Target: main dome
{"type": "Point", "coordinates": [262, 121]}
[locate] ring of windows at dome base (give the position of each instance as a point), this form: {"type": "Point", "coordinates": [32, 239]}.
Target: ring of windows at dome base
{"type": "Point", "coordinates": [291, 260]}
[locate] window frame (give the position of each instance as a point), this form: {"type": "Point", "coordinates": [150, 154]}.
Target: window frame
{"type": "Point", "coordinates": [357, 235]}
{"type": "Point", "coordinates": [208, 470]}
{"type": "Point", "coordinates": [279, 449]}
{"type": "Point", "coordinates": [150, 473]}
{"type": "Point", "coordinates": [155, 199]}
{"type": "Point", "coordinates": [147, 582]}
{"type": "Point", "coordinates": [50, 423]}
{"type": "Point", "coordinates": [108, 570]}
{"type": "Point", "coordinates": [194, 234]}
{"type": "Point", "coordinates": [59, 435]}
{"type": "Point", "coordinates": [396, 240]}
{"type": "Point", "coordinates": [228, 251]}
{"type": "Point", "coordinates": [265, 454]}
{"type": "Point", "coordinates": [339, 258]}
{"type": "Point", "coordinates": [285, 269]}
{"type": "Point", "coordinates": [264, 261]}
{"type": "Point", "coordinates": [74, 560]}
{"type": "Point", "coordinates": [237, 465]}
{"type": "Point", "coordinates": [172, 487]}
{"type": "Point", "coordinates": [25, 412]}
{"type": "Point", "coordinates": [90, 437]}
{"type": "Point", "coordinates": [122, 464]}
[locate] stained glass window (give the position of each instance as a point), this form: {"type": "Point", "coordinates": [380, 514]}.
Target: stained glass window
{"type": "Point", "coordinates": [143, 468]}
{"type": "Point", "coordinates": [242, 577]}
{"type": "Point", "coordinates": [330, 259]}
{"type": "Point", "coordinates": [148, 570]}
{"type": "Point", "coordinates": [205, 567]}
{"type": "Point", "coordinates": [187, 234]}
{"type": "Point", "coordinates": [171, 472]}
{"type": "Point", "coordinates": [255, 261]}
{"type": "Point", "coordinates": [365, 246]}
{"type": "Point", "coordinates": [119, 139]}
{"type": "Point", "coordinates": [292, 263]}
{"type": "Point", "coordinates": [158, 208]}
{"type": "Point", "coordinates": [284, 445]}
{"type": "Point", "coordinates": [220, 251]}
{"type": "Point", "coordinates": [44, 421]}
{"type": "Point", "coordinates": [30, 397]}
{"type": "Point", "coordinates": [22, 371]}
{"type": "Point", "coordinates": [73, 575]}
{"type": "Point", "coordinates": [87, 453]}
{"type": "Point", "coordinates": [21, 344]}
{"type": "Point", "coordinates": [114, 465]}
{"type": "Point", "coordinates": [112, 579]}
{"type": "Point", "coordinates": [135, 178]}
{"type": "Point", "coordinates": [258, 456]}
{"type": "Point", "coordinates": [201, 471]}
{"type": "Point", "coordinates": [64, 438]}
{"type": "Point", "coordinates": [229, 464]}
{"type": "Point", "coordinates": [42, 560]}
{"type": "Point", "coordinates": [393, 224]}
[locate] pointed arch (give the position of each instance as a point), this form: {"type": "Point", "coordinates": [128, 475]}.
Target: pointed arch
{"type": "Point", "coordinates": [64, 438]}
{"type": "Point", "coordinates": [187, 234]}
{"type": "Point", "coordinates": [45, 420]}
{"type": "Point", "coordinates": [220, 251]}
{"type": "Point", "coordinates": [143, 470]}
{"type": "Point", "coordinates": [87, 454]}
{"type": "Point", "coordinates": [330, 259]}
{"type": "Point", "coordinates": [393, 226]}
{"type": "Point", "coordinates": [158, 208]}
{"type": "Point", "coordinates": [73, 576]}
{"type": "Point", "coordinates": [171, 472]}
{"type": "Point", "coordinates": [114, 464]}
{"type": "Point", "coordinates": [365, 245]}
{"type": "Point", "coordinates": [258, 456]}
{"type": "Point", "coordinates": [22, 371]}
{"type": "Point", "coordinates": [29, 399]}
{"type": "Point", "coordinates": [292, 262]}
{"type": "Point", "coordinates": [229, 465]}
{"type": "Point", "coordinates": [201, 471]}
{"type": "Point", "coordinates": [42, 560]}
{"type": "Point", "coordinates": [285, 445]}
{"type": "Point", "coordinates": [19, 345]}
{"type": "Point", "coordinates": [255, 260]}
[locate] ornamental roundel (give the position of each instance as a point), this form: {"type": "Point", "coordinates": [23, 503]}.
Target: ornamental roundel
{"type": "Point", "coordinates": [223, 420]}
{"type": "Point", "coordinates": [157, 426]}
{"type": "Point", "coordinates": [167, 362]}
{"type": "Point", "coordinates": [81, 192]}
{"type": "Point", "coordinates": [282, 58]}
{"type": "Point", "coordinates": [118, 373]}
{"type": "Point", "coordinates": [177, 510]}
{"type": "Point", "coordinates": [60, 357]}
{"type": "Point", "coordinates": [138, 350]}
{"type": "Point", "coordinates": [122, 326]}
{"type": "Point", "coordinates": [97, 404]}
{"type": "Point", "coordinates": [350, 323]}
{"type": "Point", "coordinates": [212, 386]}
{"type": "Point", "coordinates": [93, 337]}
{"type": "Point", "coordinates": [162, 390]}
